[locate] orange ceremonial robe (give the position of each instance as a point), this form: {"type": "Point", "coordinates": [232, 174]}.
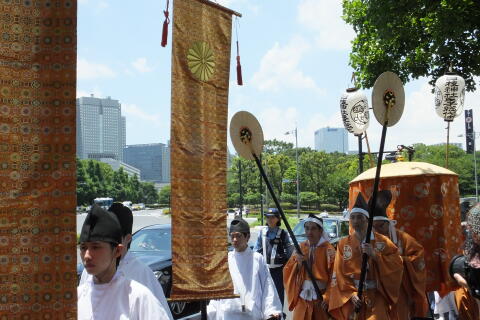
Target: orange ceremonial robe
{"type": "Point", "coordinates": [294, 274]}
{"type": "Point", "coordinates": [412, 300]}
{"type": "Point", "coordinates": [468, 307]}
{"type": "Point", "coordinates": [385, 274]}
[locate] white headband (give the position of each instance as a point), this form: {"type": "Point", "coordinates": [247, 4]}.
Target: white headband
{"type": "Point", "coordinates": [314, 220]}
{"type": "Point", "coordinates": [391, 227]}
{"type": "Point", "coordinates": [360, 210]}
{"type": "Point", "coordinates": [324, 236]}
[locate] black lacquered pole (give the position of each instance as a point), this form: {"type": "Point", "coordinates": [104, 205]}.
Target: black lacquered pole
{"type": "Point", "coordinates": [363, 272]}
{"type": "Point", "coordinates": [360, 154]}
{"type": "Point", "coordinates": [287, 225]}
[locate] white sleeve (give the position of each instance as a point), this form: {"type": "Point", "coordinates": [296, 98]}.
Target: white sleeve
{"type": "Point", "coordinates": [212, 309]}
{"type": "Point", "coordinates": [142, 273]}
{"type": "Point", "coordinates": [149, 308]}
{"type": "Point", "coordinates": [152, 283]}
{"type": "Point", "coordinates": [271, 302]}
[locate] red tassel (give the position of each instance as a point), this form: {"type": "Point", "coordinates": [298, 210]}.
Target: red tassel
{"type": "Point", "coordinates": [165, 27]}
{"type": "Point", "coordinates": [239, 72]}
{"type": "Point", "coordinates": [239, 68]}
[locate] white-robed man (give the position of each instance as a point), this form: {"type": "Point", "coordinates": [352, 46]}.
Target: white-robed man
{"type": "Point", "coordinates": [130, 266]}
{"type": "Point", "coordinates": [108, 294]}
{"type": "Point", "coordinates": [251, 281]}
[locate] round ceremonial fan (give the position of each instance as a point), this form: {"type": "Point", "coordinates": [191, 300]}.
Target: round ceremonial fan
{"type": "Point", "coordinates": [388, 99]}
{"type": "Point", "coordinates": [246, 134]}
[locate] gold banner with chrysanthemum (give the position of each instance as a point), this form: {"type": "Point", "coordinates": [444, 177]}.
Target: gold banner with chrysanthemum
{"type": "Point", "coordinates": [200, 78]}
{"type": "Point", "coordinates": [37, 160]}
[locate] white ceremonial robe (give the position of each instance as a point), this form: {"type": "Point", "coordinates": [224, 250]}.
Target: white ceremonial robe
{"type": "Point", "coordinates": [136, 270]}
{"type": "Point", "coordinates": [120, 299]}
{"type": "Point", "coordinates": [252, 281]}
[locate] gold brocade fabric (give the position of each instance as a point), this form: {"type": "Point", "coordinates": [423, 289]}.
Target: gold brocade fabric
{"type": "Point", "coordinates": [37, 159]}
{"type": "Point", "coordinates": [427, 208]}
{"type": "Point", "coordinates": [200, 78]}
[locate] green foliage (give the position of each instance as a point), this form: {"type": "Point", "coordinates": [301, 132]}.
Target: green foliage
{"type": "Point", "coordinates": [325, 177]}
{"type": "Point", "coordinates": [414, 38]}
{"type": "Point", "coordinates": [164, 194]}
{"type": "Point", "coordinates": [97, 179]}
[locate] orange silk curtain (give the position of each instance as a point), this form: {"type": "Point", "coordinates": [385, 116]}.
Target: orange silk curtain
{"type": "Point", "coordinates": [426, 207]}
{"type": "Point", "coordinates": [37, 160]}
{"type": "Point", "coordinates": [200, 79]}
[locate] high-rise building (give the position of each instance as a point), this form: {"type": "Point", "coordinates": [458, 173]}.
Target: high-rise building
{"type": "Point", "coordinates": [101, 131]}
{"type": "Point", "coordinates": [331, 140]}
{"type": "Point", "coordinates": [153, 160]}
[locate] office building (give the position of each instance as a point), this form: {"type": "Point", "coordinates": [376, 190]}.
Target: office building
{"type": "Point", "coordinates": [153, 160]}
{"type": "Point", "coordinates": [101, 131]}
{"type": "Point", "coordinates": [117, 164]}
{"type": "Point", "coordinates": [331, 140]}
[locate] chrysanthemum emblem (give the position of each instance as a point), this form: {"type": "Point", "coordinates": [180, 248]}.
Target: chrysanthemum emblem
{"type": "Point", "coordinates": [201, 61]}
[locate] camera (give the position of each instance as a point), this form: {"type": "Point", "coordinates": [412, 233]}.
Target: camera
{"type": "Point", "coordinates": [459, 264]}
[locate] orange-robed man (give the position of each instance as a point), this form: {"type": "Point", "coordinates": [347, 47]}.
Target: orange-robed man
{"type": "Point", "coordinates": [467, 298]}
{"type": "Point", "coordinates": [412, 301]}
{"type": "Point", "coordinates": [319, 255]}
{"type": "Point", "coordinates": [384, 270]}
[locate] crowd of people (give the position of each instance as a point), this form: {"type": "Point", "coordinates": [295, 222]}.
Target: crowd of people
{"type": "Point", "coordinates": [115, 283]}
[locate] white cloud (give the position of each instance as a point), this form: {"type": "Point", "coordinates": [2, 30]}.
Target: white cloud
{"type": "Point", "coordinates": [141, 65]}
{"type": "Point", "coordinates": [135, 112]}
{"type": "Point", "coordinates": [90, 70]}
{"type": "Point", "coordinates": [276, 121]}
{"type": "Point", "coordinates": [323, 17]}
{"type": "Point", "coordinates": [279, 69]}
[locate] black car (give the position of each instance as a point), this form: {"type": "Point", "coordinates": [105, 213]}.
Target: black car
{"type": "Point", "coordinates": [152, 246]}
{"type": "Point", "coordinates": [336, 228]}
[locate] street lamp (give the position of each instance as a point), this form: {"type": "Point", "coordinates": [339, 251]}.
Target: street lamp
{"type": "Point", "coordinates": [296, 159]}
{"type": "Point", "coordinates": [474, 135]}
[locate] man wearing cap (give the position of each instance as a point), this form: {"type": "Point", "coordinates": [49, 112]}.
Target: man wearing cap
{"type": "Point", "coordinates": [251, 281]}
{"type": "Point", "coordinates": [275, 246]}
{"type": "Point", "coordinates": [108, 294]}
{"type": "Point", "coordinates": [383, 277]}
{"type": "Point", "coordinates": [130, 266]}
{"type": "Point", "coordinates": [412, 301]}
{"type": "Point", "coordinates": [319, 255]}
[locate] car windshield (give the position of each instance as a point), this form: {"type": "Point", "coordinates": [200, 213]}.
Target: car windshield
{"type": "Point", "coordinates": [330, 226]}
{"type": "Point", "coordinates": [152, 240]}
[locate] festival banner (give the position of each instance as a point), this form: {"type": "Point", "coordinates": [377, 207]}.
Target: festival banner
{"type": "Point", "coordinates": [37, 160]}
{"type": "Point", "coordinates": [469, 133]}
{"type": "Point", "coordinates": [425, 205]}
{"type": "Point", "coordinates": [200, 79]}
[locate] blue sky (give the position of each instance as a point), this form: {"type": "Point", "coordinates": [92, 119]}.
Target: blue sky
{"type": "Point", "coordinates": [295, 68]}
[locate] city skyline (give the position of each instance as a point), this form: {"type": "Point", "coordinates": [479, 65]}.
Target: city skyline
{"type": "Point", "coordinates": [294, 71]}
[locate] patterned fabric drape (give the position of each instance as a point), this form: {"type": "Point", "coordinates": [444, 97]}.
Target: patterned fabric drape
{"type": "Point", "coordinates": [200, 78]}
{"type": "Point", "coordinates": [37, 160]}
{"type": "Point", "coordinates": [427, 207]}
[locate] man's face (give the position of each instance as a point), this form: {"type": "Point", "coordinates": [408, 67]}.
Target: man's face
{"type": "Point", "coordinates": [381, 226]}
{"type": "Point", "coordinates": [358, 221]}
{"type": "Point", "coordinates": [239, 240]}
{"type": "Point", "coordinates": [272, 221]}
{"type": "Point", "coordinates": [313, 232]}
{"type": "Point", "coordinates": [98, 256]}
